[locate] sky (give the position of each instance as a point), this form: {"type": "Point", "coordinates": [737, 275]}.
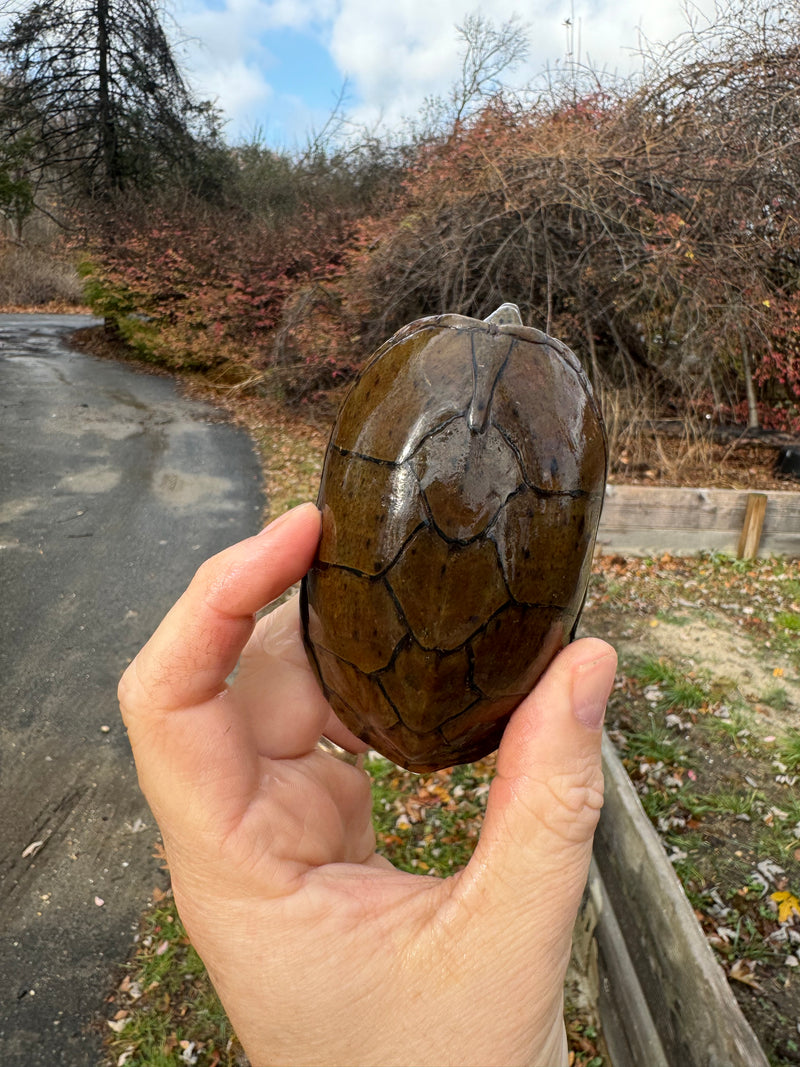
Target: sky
{"type": "Point", "coordinates": [275, 68]}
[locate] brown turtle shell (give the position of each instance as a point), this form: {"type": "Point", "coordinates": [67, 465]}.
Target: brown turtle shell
{"type": "Point", "coordinates": [460, 498]}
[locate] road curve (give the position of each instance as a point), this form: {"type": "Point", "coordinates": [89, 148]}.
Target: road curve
{"type": "Point", "coordinates": [113, 488]}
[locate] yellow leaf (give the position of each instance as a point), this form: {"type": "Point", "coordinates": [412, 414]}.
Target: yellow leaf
{"type": "Point", "coordinates": [766, 303]}
{"type": "Point", "coordinates": [787, 904]}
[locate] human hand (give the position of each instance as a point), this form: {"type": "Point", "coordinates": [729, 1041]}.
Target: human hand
{"type": "Point", "coordinates": [322, 952]}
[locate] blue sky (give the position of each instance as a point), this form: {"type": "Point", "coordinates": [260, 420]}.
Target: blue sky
{"type": "Point", "coordinates": [277, 66]}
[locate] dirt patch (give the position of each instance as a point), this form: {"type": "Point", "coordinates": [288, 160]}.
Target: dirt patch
{"type": "Point", "coordinates": [710, 648]}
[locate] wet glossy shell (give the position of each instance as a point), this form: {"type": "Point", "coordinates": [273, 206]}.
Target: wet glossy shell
{"type": "Point", "coordinates": [460, 496]}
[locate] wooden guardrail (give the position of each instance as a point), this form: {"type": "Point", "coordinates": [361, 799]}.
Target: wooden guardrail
{"type": "Point", "coordinates": [664, 1001]}
{"type": "Point", "coordinates": [642, 521]}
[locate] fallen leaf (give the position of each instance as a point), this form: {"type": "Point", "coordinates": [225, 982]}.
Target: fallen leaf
{"type": "Point", "coordinates": [743, 971]}
{"type": "Point", "coordinates": [160, 854]}
{"type": "Point", "coordinates": [788, 904]}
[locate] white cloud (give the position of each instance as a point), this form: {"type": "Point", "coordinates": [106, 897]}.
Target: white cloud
{"type": "Point", "coordinates": [242, 86]}
{"type": "Point", "coordinates": [400, 55]}
{"type": "Point", "coordinates": [395, 54]}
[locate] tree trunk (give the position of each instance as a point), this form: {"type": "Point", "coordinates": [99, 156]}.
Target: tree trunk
{"type": "Point", "coordinates": [750, 389]}
{"type": "Point", "coordinates": [108, 131]}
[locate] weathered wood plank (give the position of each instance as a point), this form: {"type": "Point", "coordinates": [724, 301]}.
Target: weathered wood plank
{"type": "Point", "coordinates": [654, 931]}
{"type": "Point", "coordinates": [753, 525]}
{"type": "Point", "coordinates": [629, 1031]}
{"type": "Point", "coordinates": [643, 520]}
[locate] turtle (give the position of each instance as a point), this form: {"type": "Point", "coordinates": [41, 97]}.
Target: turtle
{"type": "Point", "coordinates": [460, 495]}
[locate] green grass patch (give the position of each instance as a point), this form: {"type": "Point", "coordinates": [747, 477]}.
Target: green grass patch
{"type": "Point", "coordinates": [788, 748]}
{"type": "Point", "coordinates": [678, 689]}
{"type": "Point", "coordinates": [655, 744]}
{"type": "Point", "coordinates": [776, 698]}
{"type": "Point", "coordinates": [428, 823]}
{"type": "Point", "coordinates": [734, 728]}
{"type": "Point", "coordinates": [166, 1013]}
{"type": "Point", "coordinates": [725, 802]}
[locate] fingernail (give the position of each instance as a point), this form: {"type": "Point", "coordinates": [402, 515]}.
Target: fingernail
{"type": "Point", "coordinates": [281, 519]}
{"type": "Point", "coordinates": [591, 687]}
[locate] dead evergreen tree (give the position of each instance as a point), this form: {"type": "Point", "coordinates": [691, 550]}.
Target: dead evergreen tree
{"type": "Point", "coordinates": [95, 87]}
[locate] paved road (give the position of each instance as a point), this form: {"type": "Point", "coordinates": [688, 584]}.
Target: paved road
{"type": "Point", "coordinates": [112, 489]}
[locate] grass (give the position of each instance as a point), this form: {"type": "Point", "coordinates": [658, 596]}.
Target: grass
{"type": "Point", "coordinates": [725, 802]}
{"type": "Point", "coordinates": [788, 748]}
{"type": "Point", "coordinates": [167, 1013]}
{"type": "Point", "coordinates": [712, 751]}
{"type": "Point", "coordinates": [677, 689]}
{"type": "Point", "coordinates": [428, 824]}
{"type": "Point", "coordinates": [776, 698]}
{"type": "Point", "coordinates": [653, 743]}
{"type": "Point", "coordinates": [735, 726]}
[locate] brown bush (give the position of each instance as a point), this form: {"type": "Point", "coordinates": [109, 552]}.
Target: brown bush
{"type": "Point", "coordinates": [34, 277]}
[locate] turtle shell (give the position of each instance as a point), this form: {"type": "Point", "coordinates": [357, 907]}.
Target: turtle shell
{"type": "Point", "coordinates": [460, 498]}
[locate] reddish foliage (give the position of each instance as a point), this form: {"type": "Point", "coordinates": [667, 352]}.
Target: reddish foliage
{"type": "Point", "coordinates": [214, 284]}
{"type": "Point", "coordinates": [663, 255]}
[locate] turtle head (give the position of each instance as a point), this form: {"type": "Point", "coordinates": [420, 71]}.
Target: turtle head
{"type": "Point", "coordinates": [506, 315]}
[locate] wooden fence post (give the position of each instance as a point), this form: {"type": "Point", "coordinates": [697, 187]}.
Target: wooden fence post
{"type": "Point", "coordinates": [750, 537]}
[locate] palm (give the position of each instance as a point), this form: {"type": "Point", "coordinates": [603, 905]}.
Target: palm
{"type": "Point", "coordinates": [273, 804]}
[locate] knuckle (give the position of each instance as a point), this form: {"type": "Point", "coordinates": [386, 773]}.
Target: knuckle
{"type": "Point", "coordinates": [574, 800]}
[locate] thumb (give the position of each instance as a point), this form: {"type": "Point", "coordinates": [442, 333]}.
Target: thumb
{"type": "Point", "coordinates": [535, 846]}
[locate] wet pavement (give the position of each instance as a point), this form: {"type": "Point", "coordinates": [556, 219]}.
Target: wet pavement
{"type": "Point", "coordinates": [113, 488]}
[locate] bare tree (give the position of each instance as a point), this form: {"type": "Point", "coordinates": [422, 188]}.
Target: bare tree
{"type": "Point", "coordinates": [487, 53]}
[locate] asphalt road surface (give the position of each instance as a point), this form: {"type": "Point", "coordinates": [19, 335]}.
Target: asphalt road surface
{"type": "Point", "coordinates": [113, 488]}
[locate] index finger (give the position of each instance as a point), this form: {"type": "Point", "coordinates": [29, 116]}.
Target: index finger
{"type": "Point", "coordinates": [188, 659]}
